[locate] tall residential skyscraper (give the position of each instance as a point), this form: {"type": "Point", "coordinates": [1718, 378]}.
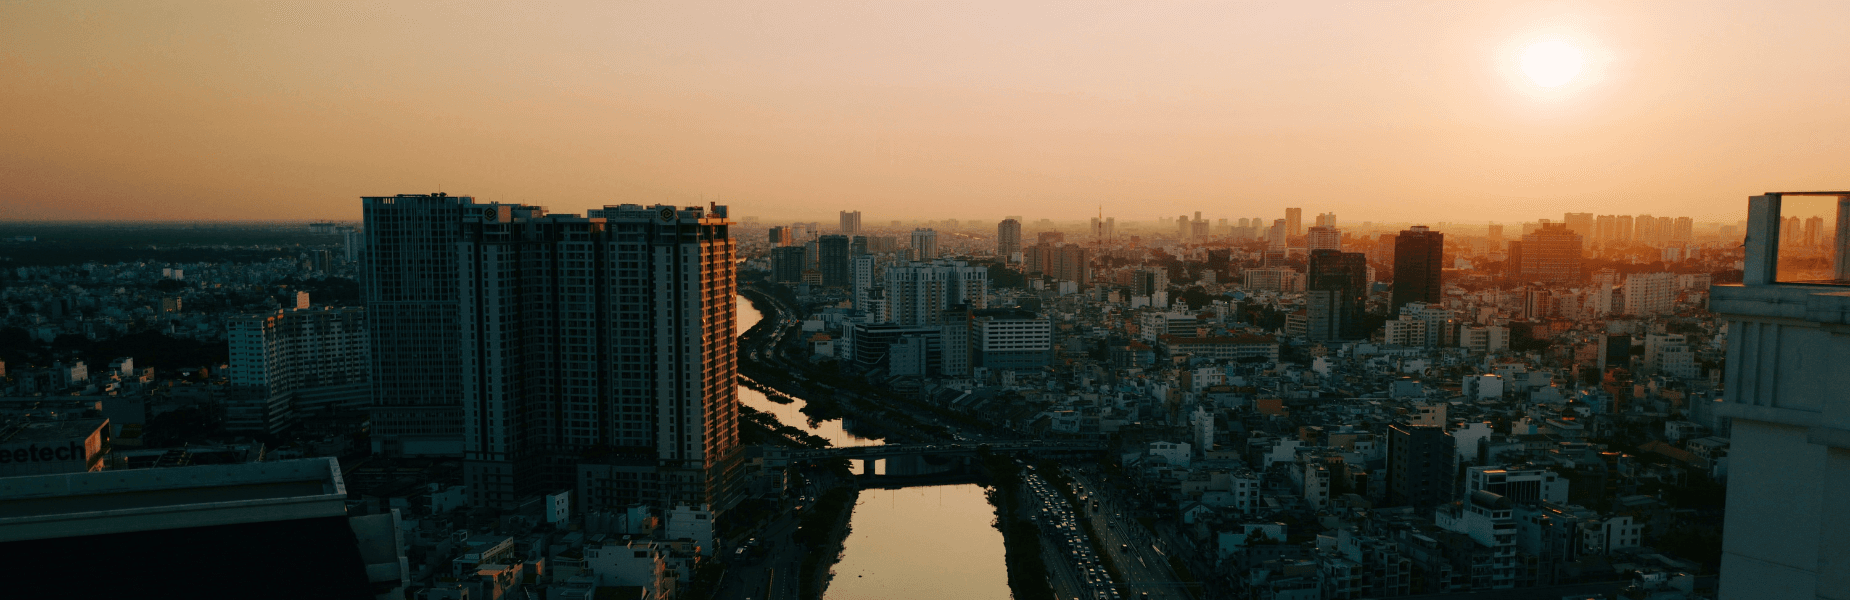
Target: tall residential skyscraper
{"type": "Point", "coordinates": [353, 243]}
{"type": "Point", "coordinates": [832, 259]}
{"type": "Point", "coordinates": [1294, 221]}
{"type": "Point", "coordinates": [919, 293]}
{"type": "Point", "coordinates": [294, 363]}
{"type": "Point", "coordinates": [1622, 228]}
{"type": "Point", "coordinates": [925, 244]}
{"type": "Point", "coordinates": [1008, 240]}
{"type": "Point", "coordinates": [1646, 228]}
{"type": "Point", "coordinates": [1075, 264]}
{"type": "Point", "coordinates": [1325, 238]}
{"type": "Point", "coordinates": [1336, 289]}
{"type": "Point", "coordinates": [1605, 228]}
{"type": "Point", "coordinates": [1276, 238]}
{"type": "Point", "coordinates": [1552, 254]}
{"type": "Point", "coordinates": [787, 264]}
{"type": "Point", "coordinates": [850, 222]}
{"type": "Point", "coordinates": [593, 352]}
{"type": "Point", "coordinates": [1579, 223]}
{"type": "Point", "coordinates": [864, 272]}
{"type": "Point", "coordinates": [1419, 256]}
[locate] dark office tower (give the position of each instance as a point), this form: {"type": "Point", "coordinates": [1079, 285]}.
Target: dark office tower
{"type": "Point", "coordinates": [832, 259]}
{"type": "Point", "coordinates": [414, 321]}
{"type": "Point", "coordinates": [1041, 259]}
{"type": "Point", "coordinates": [1008, 239]}
{"type": "Point", "coordinates": [1551, 254]}
{"type": "Point", "coordinates": [857, 246]}
{"type": "Point", "coordinates": [850, 222]}
{"type": "Point", "coordinates": [1514, 264]}
{"type": "Point", "coordinates": [1419, 465]}
{"type": "Point", "coordinates": [1294, 221]}
{"type": "Point", "coordinates": [556, 339]}
{"type": "Point", "coordinates": [787, 264]}
{"type": "Point", "coordinates": [1337, 288]}
{"type": "Point", "coordinates": [1075, 264]}
{"type": "Point", "coordinates": [1419, 255]}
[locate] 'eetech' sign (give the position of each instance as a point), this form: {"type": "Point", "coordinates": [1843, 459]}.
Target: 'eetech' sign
{"type": "Point", "coordinates": [70, 446]}
{"type": "Point", "coordinates": [73, 450]}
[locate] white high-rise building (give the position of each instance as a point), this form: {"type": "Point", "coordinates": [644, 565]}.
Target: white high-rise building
{"type": "Point", "coordinates": [924, 245]}
{"type": "Point", "coordinates": [1324, 237]}
{"type": "Point", "coordinates": [1276, 237]}
{"type": "Point", "coordinates": [865, 277]}
{"type": "Point", "coordinates": [353, 242]}
{"type": "Point", "coordinates": [1649, 294]}
{"type": "Point", "coordinates": [295, 362]}
{"type": "Point", "coordinates": [918, 293]}
{"type": "Point", "coordinates": [553, 336]}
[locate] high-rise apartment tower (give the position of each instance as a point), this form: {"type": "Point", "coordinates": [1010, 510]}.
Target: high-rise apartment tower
{"type": "Point", "coordinates": [593, 352]}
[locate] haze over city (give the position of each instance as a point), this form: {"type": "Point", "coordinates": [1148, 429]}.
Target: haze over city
{"type": "Point", "coordinates": [999, 300]}
{"type": "Point", "coordinates": [242, 110]}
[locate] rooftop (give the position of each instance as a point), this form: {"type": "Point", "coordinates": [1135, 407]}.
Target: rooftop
{"type": "Point", "coordinates": [50, 431]}
{"type": "Point", "coordinates": [104, 502]}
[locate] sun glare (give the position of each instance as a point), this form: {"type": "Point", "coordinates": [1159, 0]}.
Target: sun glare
{"type": "Point", "coordinates": [1550, 64]}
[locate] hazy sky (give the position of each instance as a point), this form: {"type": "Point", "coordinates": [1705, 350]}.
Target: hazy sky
{"type": "Point", "coordinates": [1375, 110]}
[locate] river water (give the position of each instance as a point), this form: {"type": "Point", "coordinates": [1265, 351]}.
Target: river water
{"type": "Point", "coordinates": [791, 414]}
{"type": "Point", "coordinates": [921, 543]}
{"type": "Point", "coordinates": [917, 543]}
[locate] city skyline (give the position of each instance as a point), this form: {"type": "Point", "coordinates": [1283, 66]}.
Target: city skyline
{"type": "Point", "coordinates": [1483, 112]}
{"type": "Point", "coordinates": [1023, 300]}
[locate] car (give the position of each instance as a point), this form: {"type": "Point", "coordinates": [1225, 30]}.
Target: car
{"type": "Point", "coordinates": [1124, 547]}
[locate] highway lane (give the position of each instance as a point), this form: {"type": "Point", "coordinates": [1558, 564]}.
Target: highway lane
{"type": "Point", "coordinates": [1130, 545]}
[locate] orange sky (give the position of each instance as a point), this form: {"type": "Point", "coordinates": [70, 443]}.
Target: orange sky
{"type": "Point", "coordinates": [1385, 111]}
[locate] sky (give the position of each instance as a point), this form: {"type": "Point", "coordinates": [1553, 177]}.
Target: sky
{"type": "Point", "coordinates": [1382, 111]}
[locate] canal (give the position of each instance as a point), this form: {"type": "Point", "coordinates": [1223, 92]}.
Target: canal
{"type": "Point", "coordinates": [791, 414]}
{"type": "Point", "coordinates": [914, 543]}
{"type": "Point", "coordinates": [921, 543]}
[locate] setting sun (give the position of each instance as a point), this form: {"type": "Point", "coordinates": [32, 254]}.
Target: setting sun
{"type": "Point", "coordinates": [1550, 64]}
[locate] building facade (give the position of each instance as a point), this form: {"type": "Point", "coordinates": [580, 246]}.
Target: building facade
{"type": "Point", "coordinates": [1419, 467]}
{"type": "Point", "coordinates": [576, 341]}
{"type": "Point", "coordinates": [296, 362]}
{"type": "Point", "coordinates": [1786, 534]}
{"type": "Point", "coordinates": [1008, 240]}
{"type": "Point", "coordinates": [1419, 256]}
{"type": "Point", "coordinates": [1552, 254]}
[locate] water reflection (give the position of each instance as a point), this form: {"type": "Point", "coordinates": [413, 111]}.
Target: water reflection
{"type": "Point", "coordinates": [925, 543]}
{"type": "Point", "coordinates": [791, 414]}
